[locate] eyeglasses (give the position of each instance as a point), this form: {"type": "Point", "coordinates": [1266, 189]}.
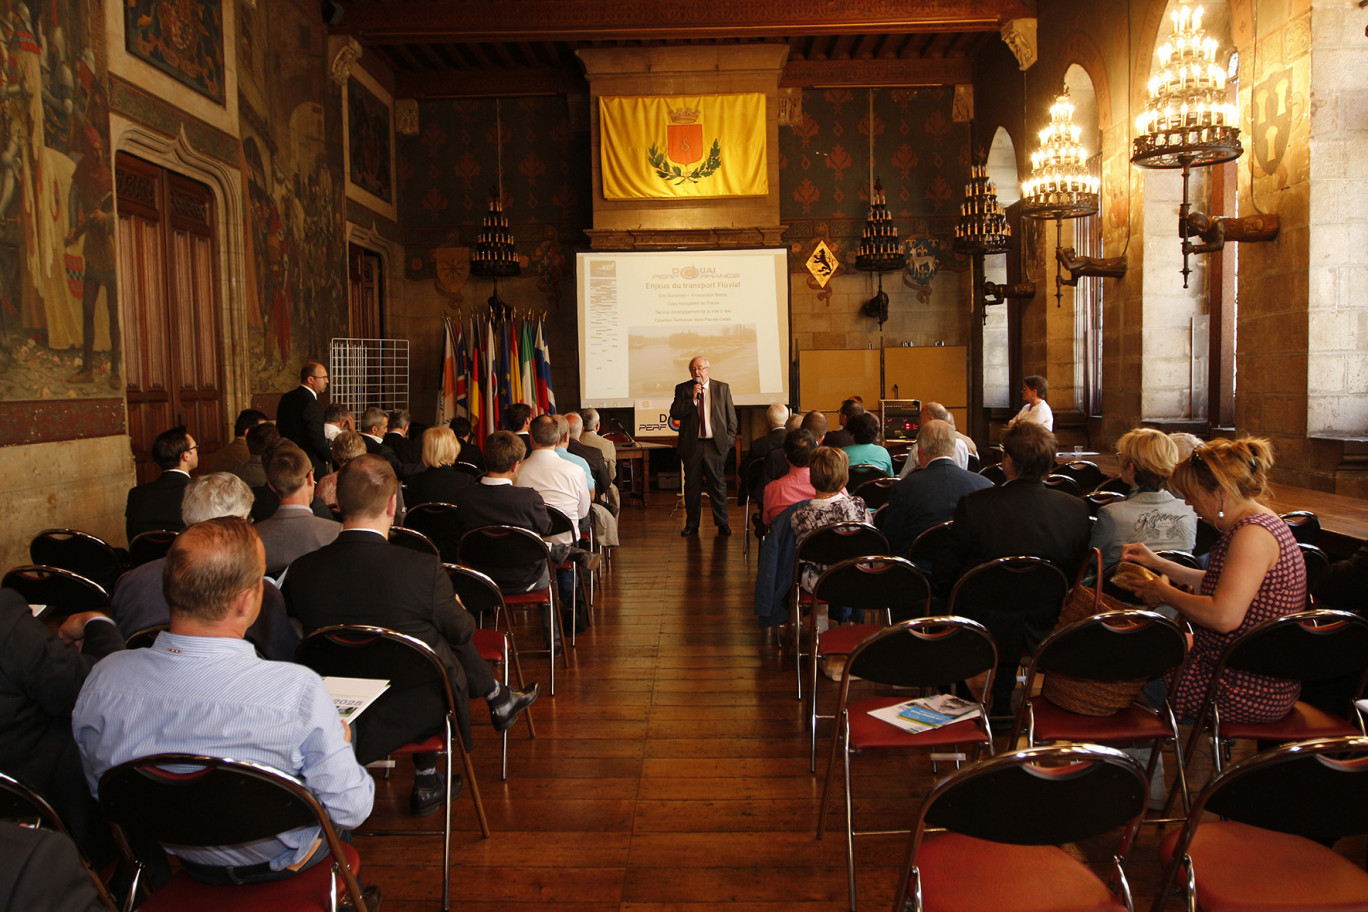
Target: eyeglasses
{"type": "Point", "coordinates": [320, 376]}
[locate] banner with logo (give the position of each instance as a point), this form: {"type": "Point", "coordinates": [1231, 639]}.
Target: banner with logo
{"type": "Point", "coordinates": [682, 146]}
{"type": "Point", "coordinates": [653, 418]}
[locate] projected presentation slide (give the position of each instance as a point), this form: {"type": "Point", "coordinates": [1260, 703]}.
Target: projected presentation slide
{"type": "Point", "coordinates": [643, 316]}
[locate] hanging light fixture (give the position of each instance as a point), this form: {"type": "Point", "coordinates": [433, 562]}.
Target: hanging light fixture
{"type": "Point", "coordinates": [1060, 186]}
{"type": "Point", "coordinates": [494, 253]}
{"type": "Point", "coordinates": [982, 227]}
{"type": "Point", "coordinates": [1190, 122]}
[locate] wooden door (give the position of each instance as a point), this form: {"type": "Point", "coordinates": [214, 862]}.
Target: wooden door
{"type": "Point", "coordinates": [168, 296]}
{"type": "Point", "coordinates": [364, 281]}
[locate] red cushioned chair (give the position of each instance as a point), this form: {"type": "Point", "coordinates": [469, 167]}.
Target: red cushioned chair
{"type": "Point", "coordinates": [1306, 646]}
{"type": "Point", "coordinates": [988, 837]}
{"type": "Point", "coordinates": [867, 584]}
{"type": "Point", "coordinates": [1109, 647]}
{"type": "Point", "coordinates": [922, 652]}
{"type": "Point", "coordinates": [1254, 839]}
{"type": "Point", "coordinates": [208, 801]}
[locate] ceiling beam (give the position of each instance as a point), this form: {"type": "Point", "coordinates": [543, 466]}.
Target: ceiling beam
{"type": "Point", "coordinates": [488, 83]}
{"type": "Point", "coordinates": [384, 21]}
{"type": "Point", "coordinates": [882, 72]}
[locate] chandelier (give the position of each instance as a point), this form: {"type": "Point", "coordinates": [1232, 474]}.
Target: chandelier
{"type": "Point", "coordinates": [1189, 120]}
{"type": "Point", "coordinates": [495, 253]}
{"type": "Point", "coordinates": [880, 250]}
{"type": "Point", "coordinates": [1060, 186]}
{"type": "Point", "coordinates": [982, 226]}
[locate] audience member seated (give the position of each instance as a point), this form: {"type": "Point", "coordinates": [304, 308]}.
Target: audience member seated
{"type": "Point", "coordinates": [1021, 517]}
{"type": "Point", "coordinates": [1151, 514]}
{"type": "Point", "coordinates": [41, 871]}
{"type": "Point", "coordinates": [866, 450]}
{"type": "Point", "coordinates": [561, 484]}
{"type": "Point", "coordinates": [374, 427]}
{"type": "Point", "coordinates": [293, 530]}
{"type": "Point", "coordinates": [236, 453]}
{"type": "Point", "coordinates": [336, 419]}
{"type": "Point", "coordinates": [201, 689]}
{"type": "Point", "coordinates": [410, 593]}
{"type": "Point", "coordinates": [138, 602]}
{"type": "Point", "coordinates": [842, 436]}
{"type": "Point", "coordinates": [1034, 389]}
{"type": "Point", "coordinates": [797, 484]}
{"type": "Point", "coordinates": [590, 436]}
{"type": "Point", "coordinates": [775, 417]}
{"type": "Point", "coordinates": [829, 470]}
{"type": "Point", "coordinates": [776, 463]}
{"type": "Point", "coordinates": [40, 675]}
{"type": "Point", "coordinates": [602, 520]}
{"type": "Point", "coordinates": [1185, 444]}
{"type": "Point", "coordinates": [1255, 573]}
{"type": "Point", "coordinates": [440, 480]}
{"type": "Point", "coordinates": [345, 447]}
{"type": "Point", "coordinates": [929, 496]}
{"type": "Point", "coordinates": [259, 439]}
{"type": "Point", "coordinates": [518, 419]}
{"type": "Point", "coordinates": [934, 411]}
{"type": "Point", "coordinates": [399, 438]}
{"type": "Point", "coordinates": [470, 449]}
{"type": "Point", "coordinates": [157, 504]}
{"type": "Point", "coordinates": [605, 492]}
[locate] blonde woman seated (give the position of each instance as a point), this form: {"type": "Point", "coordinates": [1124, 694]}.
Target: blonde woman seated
{"type": "Point", "coordinates": [440, 480]}
{"type": "Point", "coordinates": [829, 472]}
{"type": "Point", "coordinates": [1151, 514]}
{"type": "Point", "coordinates": [1256, 573]}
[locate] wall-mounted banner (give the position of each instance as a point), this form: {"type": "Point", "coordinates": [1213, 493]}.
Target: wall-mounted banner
{"type": "Point", "coordinates": [653, 418]}
{"type": "Point", "coordinates": [682, 146]}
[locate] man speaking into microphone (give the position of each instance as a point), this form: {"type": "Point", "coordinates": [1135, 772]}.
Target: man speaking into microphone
{"type": "Point", "coordinates": [707, 425]}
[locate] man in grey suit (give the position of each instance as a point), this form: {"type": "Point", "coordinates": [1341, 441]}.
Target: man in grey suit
{"type": "Point", "coordinates": [928, 496]}
{"type": "Point", "coordinates": [707, 425]}
{"type": "Point", "coordinates": [293, 530]}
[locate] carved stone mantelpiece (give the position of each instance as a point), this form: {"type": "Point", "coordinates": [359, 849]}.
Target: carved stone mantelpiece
{"type": "Point", "coordinates": [686, 238]}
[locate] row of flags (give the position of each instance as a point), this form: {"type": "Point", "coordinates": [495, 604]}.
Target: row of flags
{"type": "Point", "coordinates": [488, 365]}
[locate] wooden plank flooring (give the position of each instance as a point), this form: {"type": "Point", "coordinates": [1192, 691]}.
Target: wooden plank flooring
{"type": "Point", "coordinates": [669, 773]}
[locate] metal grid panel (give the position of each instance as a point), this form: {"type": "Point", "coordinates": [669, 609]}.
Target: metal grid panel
{"type": "Point", "coordinates": [366, 372]}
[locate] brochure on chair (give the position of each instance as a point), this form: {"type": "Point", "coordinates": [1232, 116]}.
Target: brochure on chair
{"type": "Point", "coordinates": [926, 713]}
{"type": "Point", "coordinates": [351, 696]}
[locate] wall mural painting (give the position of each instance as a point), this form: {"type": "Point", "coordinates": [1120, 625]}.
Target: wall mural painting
{"type": "Point", "coordinates": [182, 38]}
{"type": "Point", "coordinates": [292, 166]}
{"type": "Point", "coordinates": [368, 132]}
{"type": "Point", "coordinates": [59, 328]}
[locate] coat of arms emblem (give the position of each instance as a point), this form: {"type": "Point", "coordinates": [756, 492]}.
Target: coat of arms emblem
{"type": "Point", "coordinates": [683, 147]}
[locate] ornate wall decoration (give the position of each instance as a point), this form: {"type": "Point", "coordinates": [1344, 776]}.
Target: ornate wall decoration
{"type": "Point", "coordinates": [182, 38]}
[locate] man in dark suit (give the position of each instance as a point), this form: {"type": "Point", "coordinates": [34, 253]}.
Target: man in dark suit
{"type": "Point", "coordinates": [495, 500]}
{"type": "Point", "coordinates": [363, 579]}
{"type": "Point", "coordinates": [707, 425]}
{"type": "Point", "coordinates": [157, 504]}
{"type": "Point", "coordinates": [406, 447]}
{"type": "Point", "coordinates": [374, 426]}
{"type": "Point", "coordinates": [518, 418]}
{"type": "Point", "coordinates": [299, 416]}
{"type": "Point", "coordinates": [1021, 517]}
{"type": "Point", "coordinates": [928, 497]}
{"type": "Point", "coordinates": [761, 447]}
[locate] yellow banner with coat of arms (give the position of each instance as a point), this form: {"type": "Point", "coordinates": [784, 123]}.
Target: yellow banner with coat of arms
{"type": "Point", "coordinates": [683, 146]}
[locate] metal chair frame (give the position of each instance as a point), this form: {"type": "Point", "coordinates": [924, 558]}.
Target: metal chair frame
{"type": "Point", "coordinates": [562, 523]}
{"type": "Point", "coordinates": [861, 474]}
{"type": "Point", "coordinates": [876, 492]}
{"type": "Point", "coordinates": [754, 472]}
{"type": "Point", "coordinates": [414, 540]}
{"type": "Point", "coordinates": [437, 522]}
{"type": "Point", "coordinates": [1084, 472]}
{"type": "Point", "coordinates": [149, 546]}
{"type": "Point", "coordinates": [18, 801]}
{"type": "Point", "coordinates": [81, 553]}
{"type": "Point", "coordinates": [63, 592]}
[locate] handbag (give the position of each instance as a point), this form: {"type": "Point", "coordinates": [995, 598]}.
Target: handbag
{"type": "Point", "coordinates": [1081, 695]}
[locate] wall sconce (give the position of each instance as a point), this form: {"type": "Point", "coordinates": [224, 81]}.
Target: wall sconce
{"type": "Point", "coordinates": [998, 294]}
{"type": "Point", "coordinates": [1084, 267]}
{"type": "Point", "coordinates": [1190, 123]}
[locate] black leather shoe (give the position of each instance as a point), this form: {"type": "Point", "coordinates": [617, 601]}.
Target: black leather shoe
{"type": "Point", "coordinates": [429, 792]}
{"type": "Point", "coordinates": [688, 530]}
{"type": "Point", "coordinates": [724, 530]}
{"type": "Point", "coordinates": [505, 712]}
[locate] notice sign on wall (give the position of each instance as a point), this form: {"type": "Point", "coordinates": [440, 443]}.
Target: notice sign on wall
{"type": "Point", "coordinates": [653, 418]}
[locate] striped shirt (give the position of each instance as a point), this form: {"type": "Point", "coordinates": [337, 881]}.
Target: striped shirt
{"type": "Point", "coordinates": [214, 696]}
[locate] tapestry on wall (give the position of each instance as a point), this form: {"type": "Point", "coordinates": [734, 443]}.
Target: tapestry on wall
{"type": "Point", "coordinates": [368, 134]}
{"type": "Point", "coordinates": [59, 327]}
{"type": "Point", "coordinates": [182, 38]}
{"type": "Point", "coordinates": [683, 146]}
{"type": "Point", "coordinates": [291, 146]}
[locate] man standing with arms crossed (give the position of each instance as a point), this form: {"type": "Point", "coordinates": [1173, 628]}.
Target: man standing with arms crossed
{"type": "Point", "coordinates": [707, 425]}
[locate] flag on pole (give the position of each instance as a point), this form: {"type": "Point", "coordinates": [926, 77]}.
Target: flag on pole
{"type": "Point", "coordinates": [477, 426]}
{"type": "Point", "coordinates": [527, 366]}
{"type": "Point", "coordinates": [446, 403]}
{"type": "Point", "coordinates": [546, 397]}
{"type": "Point", "coordinates": [514, 364]}
{"type": "Point", "coordinates": [501, 369]}
{"type": "Point", "coordinates": [493, 417]}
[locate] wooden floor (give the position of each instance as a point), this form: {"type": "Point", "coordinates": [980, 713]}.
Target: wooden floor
{"type": "Point", "coordinates": [669, 772]}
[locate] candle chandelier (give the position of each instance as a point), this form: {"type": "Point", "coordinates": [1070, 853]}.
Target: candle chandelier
{"type": "Point", "coordinates": [982, 226]}
{"type": "Point", "coordinates": [1190, 122]}
{"type": "Point", "coordinates": [495, 254]}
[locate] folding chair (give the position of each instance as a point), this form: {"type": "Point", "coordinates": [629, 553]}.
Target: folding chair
{"type": "Point", "coordinates": [79, 552]}
{"type": "Point", "coordinates": [24, 805]}
{"type": "Point", "coordinates": [1064, 483]}
{"type": "Point", "coordinates": [481, 597]}
{"type": "Point", "coordinates": [754, 472]}
{"type": "Point", "coordinates": [1018, 599]}
{"type": "Point", "coordinates": [922, 652]}
{"type": "Point", "coordinates": [413, 540]}
{"type": "Point", "coordinates": [876, 492]}
{"type": "Point", "coordinates": [194, 801]}
{"type": "Point", "coordinates": [63, 592]}
{"type": "Point", "coordinates": [149, 546]}
{"type": "Point", "coordinates": [493, 548]}
{"type": "Point", "coordinates": [1086, 473]}
{"type": "Point", "coordinates": [861, 474]}
{"type": "Point", "coordinates": [438, 522]}
{"type": "Point", "coordinates": [1305, 526]}
{"type": "Point", "coordinates": [1253, 838]}
{"type": "Point", "coordinates": [930, 544]}
{"type": "Point", "coordinates": [1114, 483]}
{"type": "Point", "coordinates": [409, 664]}
{"type": "Point", "coordinates": [994, 473]}
{"type": "Point", "coordinates": [829, 544]}
{"type": "Point", "coordinates": [561, 523]}
{"type": "Point", "coordinates": [1099, 499]}
{"type": "Point", "coordinates": [1317, 565]}
{"type": "Point", "coordinates": [1112, 646]}
{"type": "Point", "coordinates": [989, 837]}
{"type": "Point", "coordinates": [470, 469]}
{"type": "Point", "coordinates": [879, 584]}
{"type": "Point", "coordinates": [1306, 646]}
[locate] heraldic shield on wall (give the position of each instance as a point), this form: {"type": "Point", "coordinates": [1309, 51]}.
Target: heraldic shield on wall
{"type": "Point", "coordinates": [683, 146]}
